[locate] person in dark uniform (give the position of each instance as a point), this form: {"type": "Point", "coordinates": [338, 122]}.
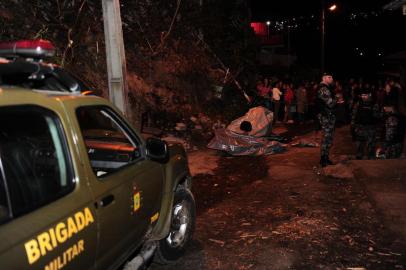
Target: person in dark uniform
{"type": "Point", "coordinates": [326, 103]}
{"type": "Point", "coordinates": [365, 116]}
{"type": "Point", "coordinates": [394, 126]}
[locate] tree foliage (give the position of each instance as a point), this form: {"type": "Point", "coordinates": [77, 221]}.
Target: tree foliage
{"type": "Point", "coordinates": [176, 49]}
{"type": "Point", "coordinates": [74, 26]}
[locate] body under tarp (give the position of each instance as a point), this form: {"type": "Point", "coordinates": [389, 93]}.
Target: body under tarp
{"type": "Point", "coordinates": [243, 145]}
{"type": "Point", "coordinates": [260, 119]}
{"type": "Point", "coordinates": [236, 142]}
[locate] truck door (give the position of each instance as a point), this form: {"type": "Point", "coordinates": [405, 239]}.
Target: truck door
{"type": "Point", "coordinates": [47, 216]}
{"type": "Point", "coordinates": [127, 187]}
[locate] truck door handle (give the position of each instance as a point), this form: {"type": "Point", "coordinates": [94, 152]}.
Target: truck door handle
{"type": "Point", "coordinates": [106, 200]}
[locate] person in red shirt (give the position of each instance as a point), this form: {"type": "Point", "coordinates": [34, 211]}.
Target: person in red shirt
{"type": "Point", "coordinates": [289, 98]}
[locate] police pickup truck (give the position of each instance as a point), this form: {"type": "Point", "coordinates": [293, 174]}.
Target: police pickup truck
{"type": "Point", "coordinates": [79, 187]}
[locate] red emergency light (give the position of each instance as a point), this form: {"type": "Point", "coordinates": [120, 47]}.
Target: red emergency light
{"type": "Point", "coordinates": [27, 48]}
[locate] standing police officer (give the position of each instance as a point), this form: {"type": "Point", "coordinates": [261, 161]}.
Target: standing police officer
{"type": "Point", "coordinates": [326, 101]}
{"type": "Point", "coordinates": [365, 114]}
{"type": "Point", "coordinates": [394, 126]}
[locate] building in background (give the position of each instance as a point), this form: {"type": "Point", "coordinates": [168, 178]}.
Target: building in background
{"type": "Point", "coordinates": [275, 47]}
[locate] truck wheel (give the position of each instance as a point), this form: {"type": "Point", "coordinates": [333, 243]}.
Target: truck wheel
{"type": "Point", "coordinates": [182, 227]}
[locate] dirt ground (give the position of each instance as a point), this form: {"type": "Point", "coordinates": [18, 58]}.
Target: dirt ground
{"type": "Point", "coordinates": [283, 212]}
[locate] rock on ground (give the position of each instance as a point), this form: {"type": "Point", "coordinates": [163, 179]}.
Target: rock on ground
{"type": "Point", "coordinates": [340, 171]}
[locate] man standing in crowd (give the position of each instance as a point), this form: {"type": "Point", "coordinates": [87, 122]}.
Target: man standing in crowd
{"type": "Point", "coordinates": [301, 98]}
{"type": "Point", "coordinates": [326, 102]}
{"type": "Point", "coordinates": [276, 99]}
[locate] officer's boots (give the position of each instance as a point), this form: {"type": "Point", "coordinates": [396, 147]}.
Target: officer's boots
{"type": "Point", "coordinates": [324, 161]}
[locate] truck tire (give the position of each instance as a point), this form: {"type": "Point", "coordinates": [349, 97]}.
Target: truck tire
{"type": "Point", "coordinates": [181, 229]}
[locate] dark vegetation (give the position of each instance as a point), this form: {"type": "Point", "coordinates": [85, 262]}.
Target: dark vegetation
{"type": "Point", "coordinates": [177, 51]}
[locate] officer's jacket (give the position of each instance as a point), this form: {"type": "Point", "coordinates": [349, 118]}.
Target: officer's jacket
{"type": "Point", "coordinates": [326, 100]}
{"type": "Point", "coordinates": [365, 111]}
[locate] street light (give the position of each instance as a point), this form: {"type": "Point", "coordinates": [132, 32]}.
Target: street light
{"type": "Point", "coordinates": [267, 25]}
{"type": "Point", "coordinates": [323, 32]}
{"type": "Point", "coordinates": [332, 8]}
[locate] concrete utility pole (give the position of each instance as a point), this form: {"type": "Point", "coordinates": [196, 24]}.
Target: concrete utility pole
{"type": "Point", "coordinates": [115, 54]}
{"type": "Point", "coordinates": [323, 36]}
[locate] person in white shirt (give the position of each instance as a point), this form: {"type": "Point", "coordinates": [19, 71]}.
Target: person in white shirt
{"type": "Point", "coordinates": [276, 100]}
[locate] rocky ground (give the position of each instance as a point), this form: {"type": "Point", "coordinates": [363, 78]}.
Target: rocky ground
{"type": "Point", "coordinates": [283, 212]}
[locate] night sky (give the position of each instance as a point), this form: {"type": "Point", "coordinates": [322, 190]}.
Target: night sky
{"type": "Point", "coordinates": [359, 34]}
{"type": "Point", "coordinates": [264, 9]}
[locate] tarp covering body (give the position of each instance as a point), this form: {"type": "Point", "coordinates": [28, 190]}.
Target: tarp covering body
{"type": "Point", "coordinates": [236, 142]}
{"type": "Point", "coordinates": [243, 145]}
{"type": "Point", "coordinates": [260, 119]}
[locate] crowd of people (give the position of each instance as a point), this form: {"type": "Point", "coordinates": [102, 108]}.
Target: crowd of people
{"type": "Point", "coordinates": [371, 108]}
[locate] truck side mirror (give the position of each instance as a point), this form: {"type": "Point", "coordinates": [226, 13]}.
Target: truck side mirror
{"type": "Point", "coordinates": [157, 150]}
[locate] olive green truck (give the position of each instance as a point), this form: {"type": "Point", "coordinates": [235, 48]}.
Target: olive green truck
{"type": "Point", "coordinates": [79, 187]}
